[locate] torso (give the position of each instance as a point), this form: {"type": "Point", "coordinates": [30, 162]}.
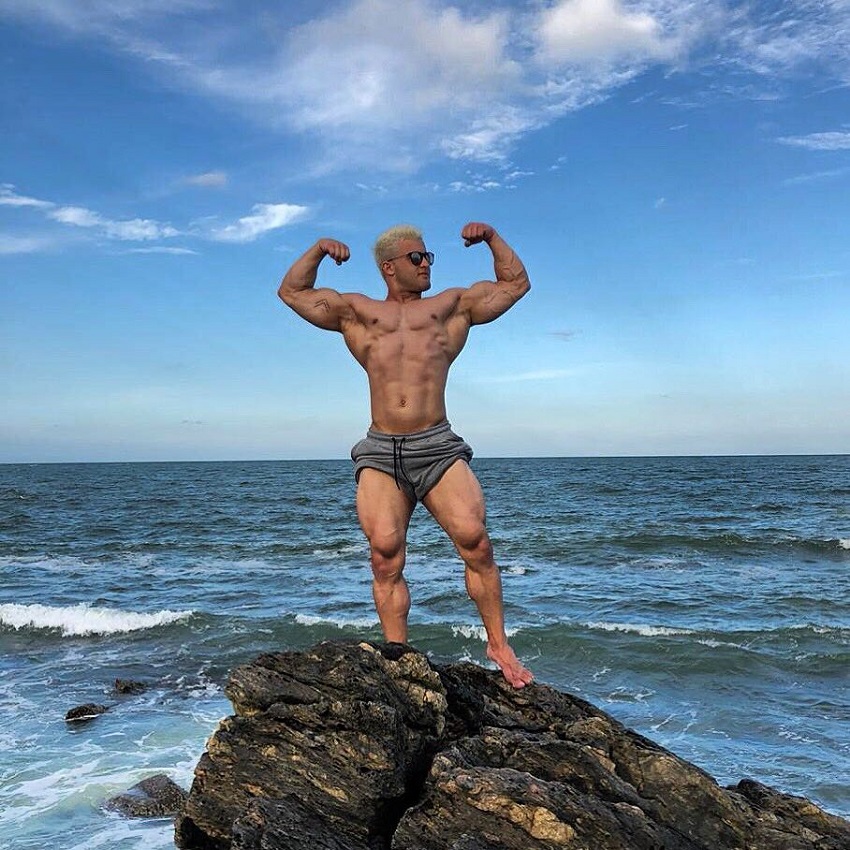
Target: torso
{"type": "Point", "coordinates": [406, 349]}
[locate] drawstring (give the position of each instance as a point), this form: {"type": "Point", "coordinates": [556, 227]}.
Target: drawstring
{"type": "Point", "coordinates": [398, 462]}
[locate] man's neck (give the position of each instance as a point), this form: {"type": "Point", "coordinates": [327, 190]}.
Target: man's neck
{"type": "Point", "coordinates": [403, 297]}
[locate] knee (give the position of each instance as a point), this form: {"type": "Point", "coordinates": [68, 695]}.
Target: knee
{"type": "Point", "coordinates": [387, 554]}
{"type": "Point", "coordinates": [473, 544]}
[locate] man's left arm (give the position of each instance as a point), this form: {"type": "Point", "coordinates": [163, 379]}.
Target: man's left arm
{"type": "Point", "coordinates": [487, 300]}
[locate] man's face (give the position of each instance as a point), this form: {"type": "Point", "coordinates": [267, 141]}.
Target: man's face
{"type": "Point", "coordinates": [408, 277]}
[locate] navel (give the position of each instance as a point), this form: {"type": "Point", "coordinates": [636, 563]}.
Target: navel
{"type": "Point", "coordinates": [402, 402]}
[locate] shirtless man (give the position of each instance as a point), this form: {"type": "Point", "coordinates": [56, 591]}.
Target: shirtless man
{"type": "Point", "coordinates": [406, 344]}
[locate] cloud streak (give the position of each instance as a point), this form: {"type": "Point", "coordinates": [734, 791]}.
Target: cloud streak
{"type": "Point", "coordinates": [263, 219]}
{"type": "Point", "coordinates": [391, 85]}
{"type": "Point", "coordinates": [836, 140]}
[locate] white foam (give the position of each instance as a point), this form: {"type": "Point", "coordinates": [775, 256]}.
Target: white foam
{"type": "Point", "coordinates": [84, 619]}
{"type": "Point", "coordinates": [638, 629]}
{"type": "Point", "coordinates": [844, 543]}
{"type": "Point", "coordinates": [477, 632]}
{"type": "Point", "coordinates": [339, 623]}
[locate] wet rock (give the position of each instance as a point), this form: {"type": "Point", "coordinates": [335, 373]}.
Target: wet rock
{"type": "Point", "coordinates": [154, 797]}
{"type": "Point", "coordinates": [371, 747]}
{"type": "Point", "coordinates": [128, 687]}
{"type": "Point", "coordinates": [82, 713]}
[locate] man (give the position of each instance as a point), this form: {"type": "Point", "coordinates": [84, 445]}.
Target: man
{"type": "Point", "coordinates": [406, 344]}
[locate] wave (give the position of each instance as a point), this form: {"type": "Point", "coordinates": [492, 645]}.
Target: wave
{"type": "Point", "coordinates": [84, 619]}
{"type": "Point", "coordinates": [639, 629]}
{"type": "Point", "coordinates": [727, 542]}
{"type": "Point", "coordinates": [337, 622]}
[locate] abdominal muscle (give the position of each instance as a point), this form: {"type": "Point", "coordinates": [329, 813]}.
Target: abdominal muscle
{"type": "Point", "coordinates": [406, 351]}
{"type": "Point", "coordinates": [407, 381]}
{"type": "Point", "coordinates": [406, 408]}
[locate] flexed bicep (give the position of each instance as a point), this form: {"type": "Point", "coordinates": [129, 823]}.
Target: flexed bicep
{"type": "Point", "coordinates": [326, 308]}
{"type": "Point", "coordinates": [487, 300]}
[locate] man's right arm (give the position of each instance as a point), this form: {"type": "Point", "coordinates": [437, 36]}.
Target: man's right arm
{"type": "Point", "coordinates": [325, 308]}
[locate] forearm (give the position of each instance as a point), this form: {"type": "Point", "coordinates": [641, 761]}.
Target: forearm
{"type": "Point", "coordinates": [509, 270]}
{"type": "Point", "coordinates": [303, 272]}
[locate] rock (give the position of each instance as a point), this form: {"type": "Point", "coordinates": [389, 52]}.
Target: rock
{"type": "Point", "coordinates": [371, 747]}
{"type": "Point", "coordinates": [85, 712]}
{"type": "Point", "coordinates": [154, 797]}
{"type": "Point", "coordinates": [128, 686]}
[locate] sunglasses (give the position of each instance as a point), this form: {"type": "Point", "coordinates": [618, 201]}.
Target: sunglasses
{"type": "Point", "coordinates": [415, 257]}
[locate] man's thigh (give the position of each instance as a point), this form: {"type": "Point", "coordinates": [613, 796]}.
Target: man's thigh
{"type": "Point", "coordinates": [383, 509]}
{"type": "Point", "coordinates": [457, 502]}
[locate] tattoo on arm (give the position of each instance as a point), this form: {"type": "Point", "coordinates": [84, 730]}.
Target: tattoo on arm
{"type": "Point", "coordinates": [323, 304]}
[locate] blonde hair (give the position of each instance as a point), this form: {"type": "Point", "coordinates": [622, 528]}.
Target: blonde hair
{"type": "Point", "coordinates": [386, 243]}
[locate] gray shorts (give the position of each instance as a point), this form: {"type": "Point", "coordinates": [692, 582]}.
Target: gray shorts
{"type": "Point", "coordinates": [416, 462]}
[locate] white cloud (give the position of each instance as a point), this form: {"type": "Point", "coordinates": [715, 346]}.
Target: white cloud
{"type": "Point", "coordinates": [163, 249]}
{"type": "Point", "coordinates": [10, 198]}
{"type": "Point", "coordinates": [263, 218]}
{"type": "Point", "coordinates": [130, 230]}
{"type": "Point", "coordinates": [11, 244]}
{"type": "Point", "coordinates": [208, 180]}
{"type": "Point", "coordinates": [832, 141]}
{"type": "Point", "coordinates": [598, 31]}
{"type": "Point", "coordinates": [817, 177]}
{"type": "Point", "coordinates": [391, 85]}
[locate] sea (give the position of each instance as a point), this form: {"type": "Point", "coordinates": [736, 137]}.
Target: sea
{"type": "Point", "coordinates": [702, 601]}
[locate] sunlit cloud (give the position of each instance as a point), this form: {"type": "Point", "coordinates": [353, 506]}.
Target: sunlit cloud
{"type": "Point", "coordinates": [263, 219]}
{"type": "Point", "coordinates": [580, 31]}
{"type": "Point", "coordinates": [10, 198]}
{"type": "Point", "coordinates": [12, 244]}
{"type": "Point", "coordinates": [470, 83]}
{"type": "Point", "coordinates": [163, 249]}
{"type": "Point", "coordinates": [130, 230]}
{"type": "Point", "coordinates": [831, 141]}
{"type": "Point", "coordinates": [207, 180]}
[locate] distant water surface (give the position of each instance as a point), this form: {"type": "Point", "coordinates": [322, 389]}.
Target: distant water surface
{"type": "Point", "coordinates": [704, 602]}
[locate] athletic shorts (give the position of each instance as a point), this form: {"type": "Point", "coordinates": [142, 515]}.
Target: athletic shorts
{"type": "Point", "coordinates": [416, 462]}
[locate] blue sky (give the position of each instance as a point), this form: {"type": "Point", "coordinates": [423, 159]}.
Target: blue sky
{"type": "Point", "coordinates": [675, 176]}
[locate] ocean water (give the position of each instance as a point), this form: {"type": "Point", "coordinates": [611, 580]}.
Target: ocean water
{"type": "Point", "coordinates": [704, 602]}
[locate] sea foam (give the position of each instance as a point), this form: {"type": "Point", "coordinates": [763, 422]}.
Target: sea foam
{"type": "Point", "coordinates": [84, 619]}
{"type": "Point", "coordinates": [638, 629]}
{"type": "Point", "coordinates": [339, 622]}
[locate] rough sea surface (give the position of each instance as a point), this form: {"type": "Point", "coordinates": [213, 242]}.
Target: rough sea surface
{"type": "Point", "coordinates": [704, 602]}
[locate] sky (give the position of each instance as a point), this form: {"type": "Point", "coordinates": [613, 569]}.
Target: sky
{"type": "Point", "coordinates": [675, 176]}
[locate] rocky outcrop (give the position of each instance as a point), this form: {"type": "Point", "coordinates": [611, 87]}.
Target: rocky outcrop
{"type": "Point", "coordinates": [125, 687]}
{"type": "Point", "coordinates": [83, 713]}
{"type": "Point", "coordinates": [154, 797]}
{"type": "Point", "coordinates": [371, 747]}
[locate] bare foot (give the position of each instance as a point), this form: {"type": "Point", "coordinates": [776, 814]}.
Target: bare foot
{"type": "Point", "coordinates": [509, 664]}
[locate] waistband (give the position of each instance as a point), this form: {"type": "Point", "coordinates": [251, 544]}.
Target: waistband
{"type": "Point", "coordinates": [433, 431]}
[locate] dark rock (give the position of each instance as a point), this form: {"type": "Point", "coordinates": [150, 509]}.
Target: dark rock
{"type": "Point", "coordinates": [154, 797]}
{"type": "Point", "coordinates": [370, 747]}
{"type": "Point", "coordinates": [85, 712]}
{"type": "Point", "coordinates": [128, 686]}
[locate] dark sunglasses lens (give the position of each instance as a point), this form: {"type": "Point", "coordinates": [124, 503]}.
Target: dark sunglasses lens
{"type": "Point", "coordinates": [416, 257]}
